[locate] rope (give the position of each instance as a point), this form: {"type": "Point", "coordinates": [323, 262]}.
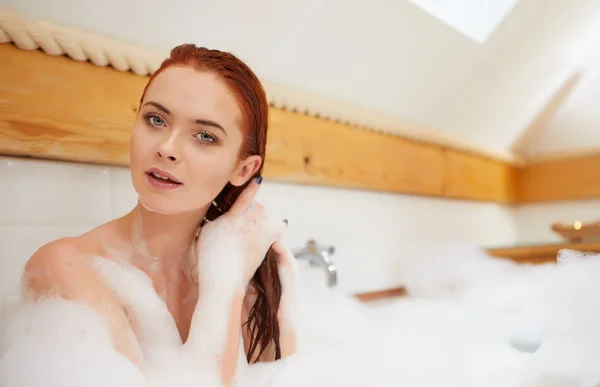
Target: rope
{"type": "Point", "coordinates": [78, 45]}
{"type": "Point", "coordinates": [29, 34]}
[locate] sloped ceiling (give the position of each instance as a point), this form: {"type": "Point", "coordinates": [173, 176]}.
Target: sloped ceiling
{"type": "Point", "coordinates": [574, 128]}
{"type": "Point", "coordinates": [390, 56]}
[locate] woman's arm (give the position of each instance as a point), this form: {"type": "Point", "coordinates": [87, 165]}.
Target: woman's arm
{"type": "Point", "coordinates": [214, 338]}
{"type": "Point", "coordinates": [229, 250]}
{"type": "Point", "coordinates": [218, 327]}
{"type": "Point", "coordinates": [232, 347]}
{"type": "Point", "coordinates": [220, 312]}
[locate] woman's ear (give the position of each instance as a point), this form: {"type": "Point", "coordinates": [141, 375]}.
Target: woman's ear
{"type": "Point", "coordinates": [245, 170]}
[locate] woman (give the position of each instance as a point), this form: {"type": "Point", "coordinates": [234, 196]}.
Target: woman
{"type": "Point", "coordinates": [197, 151]}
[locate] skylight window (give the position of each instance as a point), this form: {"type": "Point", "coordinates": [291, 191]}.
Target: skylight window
{"type": "Point", "coordinates": [476, 19]}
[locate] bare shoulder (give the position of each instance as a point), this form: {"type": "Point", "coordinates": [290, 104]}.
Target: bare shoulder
{"type": "Point", "coordinates": [54, 263]}
{"type": "Point", "coordinates": [61, 267]}
{"type": "Point", "coordinates": [59, 270]}
{"type": "Point", "coordinates": [57, 267]}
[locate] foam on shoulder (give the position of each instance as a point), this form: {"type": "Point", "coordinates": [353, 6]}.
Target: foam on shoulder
{"type": "Point", "coordinates": [56, 343]}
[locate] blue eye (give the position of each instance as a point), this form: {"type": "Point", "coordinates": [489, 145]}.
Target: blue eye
{"type": "Point", "coordinates": [206, 137]}
{"type": "Point", "coordinates": [156, 120]}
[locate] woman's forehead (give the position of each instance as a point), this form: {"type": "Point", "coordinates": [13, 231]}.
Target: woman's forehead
{"type": "Point", "coordinates": [194, 94]}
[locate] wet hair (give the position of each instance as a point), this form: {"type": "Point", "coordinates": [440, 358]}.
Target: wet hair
{"type": "Point", "coordinates": [262, 322]}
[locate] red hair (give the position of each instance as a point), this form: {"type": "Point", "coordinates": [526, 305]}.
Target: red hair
{"type": "Point", "coordinates": [251, 98]}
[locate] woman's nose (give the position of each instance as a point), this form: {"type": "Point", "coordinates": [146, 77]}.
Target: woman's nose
{"type": "Point", "coordinates": [170, 157]}
{"type": "Point", "coordinates": [168, 149]}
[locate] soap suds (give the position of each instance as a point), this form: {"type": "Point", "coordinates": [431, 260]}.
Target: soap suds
{"type": "Point", "coordinates": [524, 326]}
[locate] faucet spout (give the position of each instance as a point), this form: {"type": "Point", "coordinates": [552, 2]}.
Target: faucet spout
{"type": "Point", "coordinates": [319, 256]}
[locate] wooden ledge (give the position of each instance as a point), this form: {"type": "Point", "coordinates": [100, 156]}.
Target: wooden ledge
{"type": "Point", "coordinates": [57, 108]}
{"type": "Point", "coordinates": [540, 253]}
{"type": "Point", "coordinates": [533, 254]}
{"type": "Point", "coordinates": [381, 294]}
{"type": "Point", "coordinates": [573, 178]}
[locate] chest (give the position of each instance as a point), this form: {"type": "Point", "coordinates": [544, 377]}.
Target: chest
{"type": "Point", "coordinates": [180, 297]}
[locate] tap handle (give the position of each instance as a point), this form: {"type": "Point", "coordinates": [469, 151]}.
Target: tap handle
{"type": "Point", "coordinates": [316, 248]}
{"type": "Point", "coordinates": [319, 256]}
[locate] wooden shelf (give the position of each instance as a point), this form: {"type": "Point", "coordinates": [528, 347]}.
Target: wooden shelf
{"type": "Point", "coordinates": [532, 254]}
{"type": "Point", "coordinates": [540, 253]}
{"type": "Point", "coordinates": [381, 294]}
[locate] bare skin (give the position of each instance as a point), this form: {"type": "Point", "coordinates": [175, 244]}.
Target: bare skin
{"type": "Point", "coordinates": [61, 270]}
{"type": "Point", "coordinates": [171, 133]}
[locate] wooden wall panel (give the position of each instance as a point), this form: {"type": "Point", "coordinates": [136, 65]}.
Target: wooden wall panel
{"type": "Point", "coordinates": [469, 176]}
{"type": "Point", "coordinates": [53, 107]}
{"type": "Point", "coordinates": [303, 149]}
{"type": "Point", "coordinates": [57, 108]}
{"type": "Point", "coordinates": [575, 178]}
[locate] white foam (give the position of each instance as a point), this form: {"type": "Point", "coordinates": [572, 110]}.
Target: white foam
{"type": "Point", "coordinates": [59, 344]}
{"type": "Point", "coordinates": [155, 328]}
{"type": "Point", "coordinates": [523, 327]}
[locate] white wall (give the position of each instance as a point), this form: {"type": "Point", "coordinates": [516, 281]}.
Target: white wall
{"type": "Point", "coordinates": [372, 232]}
{"type": "Point", "coordinates": [44, 200]}
{"type": "Point", "coordinates": [534, 220]}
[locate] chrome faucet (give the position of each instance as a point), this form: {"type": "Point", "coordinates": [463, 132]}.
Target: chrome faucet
{"type": "Point", "coordinates": [319, 256]}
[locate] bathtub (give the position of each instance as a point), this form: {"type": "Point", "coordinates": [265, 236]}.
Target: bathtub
{"type": "Point", "coordinates": [480, 322]}
{"type": "Point", "coordinates": [469, 320]}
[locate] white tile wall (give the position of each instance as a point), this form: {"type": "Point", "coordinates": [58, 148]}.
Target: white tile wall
{"type": "Point", "coordinates": [372, 232]}
{"type": "Point", "coordinates": [52, 193]}
{"type": "Point", "coordinates": [533, 220]}
{"type": "Point", "coordinates": [44, 200]}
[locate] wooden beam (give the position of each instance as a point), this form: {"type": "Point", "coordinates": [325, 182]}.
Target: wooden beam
{"type": "Point", "coordinates": [471, 177]}
{"type": "Point", "coordinates": [574, 178]}
{"type": "Point", "coordinates": [56, 108]}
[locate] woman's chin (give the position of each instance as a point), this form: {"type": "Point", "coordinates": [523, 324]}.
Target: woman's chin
{"type": "Point", "coordinates": [161, 206]}
{"type": "Point", "coordinates": [157, 206]}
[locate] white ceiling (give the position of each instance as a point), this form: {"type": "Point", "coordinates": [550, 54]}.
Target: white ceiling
{"type": "Point", "coordinates": [575, 126]}
{"type": "Point", "coordinates": [390, 56]}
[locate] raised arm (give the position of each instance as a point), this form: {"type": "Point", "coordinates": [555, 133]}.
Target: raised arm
{"type": "Point", "coordinates": [229, 251]}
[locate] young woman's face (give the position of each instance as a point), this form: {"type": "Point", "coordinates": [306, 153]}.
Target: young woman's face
{"type": "Point", "coordinates": [186, 141]}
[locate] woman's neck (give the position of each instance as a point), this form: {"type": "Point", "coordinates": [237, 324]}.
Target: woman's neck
{"type": "Point", "coordinates": [160, 241]}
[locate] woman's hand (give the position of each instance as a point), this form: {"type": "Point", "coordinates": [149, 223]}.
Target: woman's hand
{"type": "Point", "coordinates": [230, 248]}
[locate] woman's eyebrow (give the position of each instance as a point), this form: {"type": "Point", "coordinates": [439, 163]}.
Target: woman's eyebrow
{"type": "Point", "coordinates": [158, 106]}
{"type": "Point", "coordinates": [198, 121]}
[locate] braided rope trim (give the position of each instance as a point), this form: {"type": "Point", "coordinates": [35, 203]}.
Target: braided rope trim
{"type": "Point", "coordinates": [79, 45]}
